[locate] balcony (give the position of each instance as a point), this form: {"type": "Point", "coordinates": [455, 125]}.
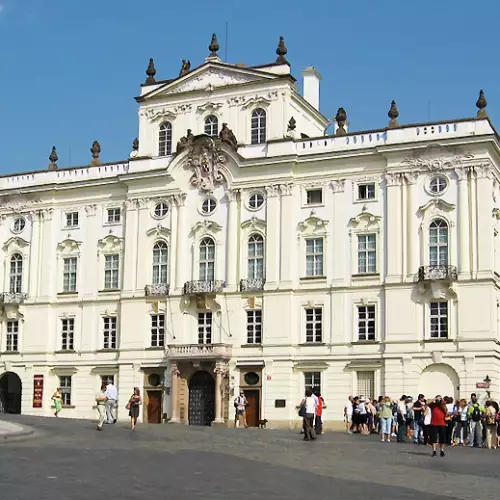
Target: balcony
{"type": "Point", "coordinates": [199, 351]}
{"type": "Point", "coordinates": [202, 287]}
{"type": "Point", "coordinates": [436, 273]}
{"type": "Point", "coordinates": [255, 285]}
{"type": "Point", "coordinates": [13, 298]}
{"type": "Point", "coordinates": [160, 290]}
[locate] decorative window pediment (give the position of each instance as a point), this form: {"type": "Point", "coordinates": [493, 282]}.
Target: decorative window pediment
{"type": "Point", "coordinates": [259, 101]}
{"type": "Point", "coordinates": [69, 247]}
{"type": "Point", "coordinates": [436, 206]}
{"type": "Point", "coordinates": [209, 106]}
{"type": "Point", "coordinates": [206, 227]}
{"type": "Point", "coordinates": [365, 222]}
{"type": "Point", "coordinates": [313, 225]}
{"type": "Point", "coordinates": [158, 232]}
{"type": "Point", "coordinates": [110, 244]}
{"type": "Point", "coordinates": [15, 243]}
{"type": "Point", "coordinates": [254, 224]}
{"type": "Point", "coordinates": [154, 114]}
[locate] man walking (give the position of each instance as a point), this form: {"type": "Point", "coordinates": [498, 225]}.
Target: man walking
{"type": "Point", "coordinates": [101, 400]}
{"type": "Point", "coordinates": [475, 414]}
{"type": "Point", "coordinates": [418, 423]}
{"type": "Point", "coordinates": [112, 395]}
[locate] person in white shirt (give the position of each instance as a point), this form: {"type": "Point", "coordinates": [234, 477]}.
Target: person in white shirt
{"type": "Point", "coordinates": [348, 415]}
{"type": "Point", "coordinates": [112, 395]}
{"type": "Point", "coordinates": [309, 404]}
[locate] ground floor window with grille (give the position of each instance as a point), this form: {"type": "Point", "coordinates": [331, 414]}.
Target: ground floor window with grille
{"type": "Point", "coordinates": [439, 320]}
{"type": "Point", "coordinates": [158, 330]}
{"type": "Point", "coordinates": [12, 341]}
{"type": "Point", "coordinates": [254, 327]}
{"type": "Point", "coordinates": [366, 384]}
{"type": "Point", "coordinates": [109, 333]}
{"type": "Point", "coordinates": [205, 328]}
{"type": "Point", "coordinates": [107, 379]}
{"type": "Point", "coordinates": [65, 385]}
{"type": "Point", "coordinates": [312, 380]}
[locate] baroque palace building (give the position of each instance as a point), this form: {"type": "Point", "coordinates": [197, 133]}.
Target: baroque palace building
{"type": "Point", "coordinates": [241, 246]}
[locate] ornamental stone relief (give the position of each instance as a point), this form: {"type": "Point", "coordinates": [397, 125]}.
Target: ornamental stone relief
{"type": "Point", "coordinates": [436, 163]}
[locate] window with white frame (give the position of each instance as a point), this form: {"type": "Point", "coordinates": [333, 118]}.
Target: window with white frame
{"type": "Point", "coordinates": [113, 215]}
{"type": "Point", "coordinates": [65, 385]}
{"type": "Point", "coordinates": [314, 197]}
{"type": "Point", "coordinates": [72, 219]}
{"type": "Point", "coordinates": [207, 260]}
{"type": "Point", "coordinates": [366, 323]}
{"type": "Point", "coordinates": [254, 326]}
{"type": "Point", "coordinates": [107, 379]}
{"type": "Point", "coordinates": [312, 380]}
{"type": "Point", "coordinates": [70, 267]}
{"type": "Point", "coordinates": [365, 384]}
{"type": "Point", "coordinates": [165, 139]}
{"type": "Point", "coordinates": [438, 243]}
{"type": "Point", "coordinates": [367, 253]}
{"type": "Point", "coordinates": [204, 328]}
{"type": "Point", "coordinates": [161, 210]}
{"type": "Point", "coordinates": [16, 273]}
{"type": "Point", "coordinates": [158, 330]}
{"type": "Point", "coordinates": [255, 201]}
{"type": "Point", "coordinates": [212, 126]}
{"type": "Point", "coordinates": [67, 334]}
{"type": "Point", "coordinates": [366, 191]}
{"type": "Point", "coordinates": [12, 338]}
{"type": "Point", "coordinates": [109, 332]}
{"type": "Point", "coordinates": [160, 263]}
{"type": "Point", "coordinates": [314, 257]}
{"type": "Point", "coordinates": [314, 324]}
{"type": "Point", "coordinates": [112, 272]}
{"type": "Point", "coordinates": [258, 126]}
{"type": "Point", "coordinates": [255, 257]}
{"type": "Point", "coordinates": [438, 315]}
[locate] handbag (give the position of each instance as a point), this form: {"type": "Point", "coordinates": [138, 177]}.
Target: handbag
{"type": "Point", "coordinates": [127, 406]}
{"type": "Point", "coordinates": [302, 411]}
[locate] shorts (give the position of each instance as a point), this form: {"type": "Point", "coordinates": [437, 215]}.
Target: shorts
{"type": "Point", "coordinates": [362, 418]}
{"type": "Point", "coordinates": [410, 424]}
{"type": "Point", "coordinates": [348, 419]}
{"type": "Point", "coordinates": [438, 434]}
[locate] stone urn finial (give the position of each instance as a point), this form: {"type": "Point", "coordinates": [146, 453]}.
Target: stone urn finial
{"type": "Point", "coordinates": [151, 72]}
{"type": "Point", "coordinates": [281, 51]}
{"type": "Point", "coordinates": [481, 105]}
{"type": "Point", "coordinates": [341, 118]}
{"type": "Point", "coordinates": [95, 150]}
{"type": "Point", "coordinates": [393, 115]}
{"type": "Point", "coordinates": [135, 144]}
{"type": "Point", "coordinates": [53, 159]}
{"type": "Point", "coordinates": [214, 46]}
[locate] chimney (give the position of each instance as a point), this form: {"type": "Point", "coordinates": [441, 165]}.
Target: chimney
{"type": "Point", "coordinates": [311, 86]}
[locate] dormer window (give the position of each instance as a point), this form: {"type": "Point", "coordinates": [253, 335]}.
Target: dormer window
{"type": "Point", "coordinates": [165, 139]}
{"type": "Point", "coordinates": [258, 126]}
{"type": "Point", "coordinates": [212, 126]}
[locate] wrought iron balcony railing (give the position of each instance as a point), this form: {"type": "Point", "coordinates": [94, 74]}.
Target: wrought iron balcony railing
{"type": "Point", "coordinates": [254, 285]}
{"type": "Point", "coordinates": [436, 273]}
{"type": "Point", "coordinates": [160, 290]}
{"type": "Point", "coordinates": [13, 298]}
{"type": "Point", "coordinates": [200, 287]}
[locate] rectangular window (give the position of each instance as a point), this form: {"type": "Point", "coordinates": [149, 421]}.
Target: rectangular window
{"type": "Point", "coordinates": [366, 323]}
{"type": "Point", "coordinates": [366, 384]}
{"type": "Point", "coordinates": [366, 191]}
{"type": "Point", "coordinates": [109, 332]}
{"type": "Point", "coordinates": [312, 380]}
{"type": "Point", "coordinates": [114, 215]}
{"type": "Point", "coordinates": [65, 385]}
{"type": "Point", "coordinates": [439, 320]}
{"type": "Point", "coordinates": [72, 219]}
{"type": "Point", "coordinates": [314, 257]}
{"type": "Point", "coordinates": [254, 327]}
{"type": "Point", "coordinates": [107, 379]}
{"type": "Point", "coordinates": [111, 272]}
{"type": "Point", "coordinates": [314, 197]}
{"type": "Point", "coordinates": [158, 330]}
{"type": "Point", "coordinates": [314, 324]}
{"type": "Point", "coordinates": [67, 334]}
{"type": "Point", "coordinates": [69, 274]}
{"type": "Point", "coordinates": [12, 344]}
{"type": "Point", "coordinates": [367, 253]}
{"type": "Point", "coordinates": [205, 328]}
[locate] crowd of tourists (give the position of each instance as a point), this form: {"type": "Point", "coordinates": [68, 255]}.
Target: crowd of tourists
{"type": "Point", "coordinates": [438, 422]}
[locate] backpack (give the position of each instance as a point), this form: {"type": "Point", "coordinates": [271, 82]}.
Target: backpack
{"type": "Point", "coordinates": [476, 413]}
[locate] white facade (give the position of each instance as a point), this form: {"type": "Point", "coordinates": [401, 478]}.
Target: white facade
{"type": "Point", "coordinates": [360, 263]}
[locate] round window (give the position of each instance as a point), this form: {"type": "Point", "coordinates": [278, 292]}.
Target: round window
{"type": "Point", "coordinates": [208, 206]}
{"type": "Point", "coordinates": [19, 225]}
{"type": "Point", "coordinates": [161, 210]}
{"type": "Point", "coordinates": [438, 184]}
{"type": "Point", "coordinates": [255, 201]}
{"type": "Point", "coordinates": [252, 378]}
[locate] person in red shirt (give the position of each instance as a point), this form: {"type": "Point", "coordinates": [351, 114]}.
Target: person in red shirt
{"type": "Point", "coordinates": [318, 422]}
{"type": "Point", "coordinates": [438, 424]}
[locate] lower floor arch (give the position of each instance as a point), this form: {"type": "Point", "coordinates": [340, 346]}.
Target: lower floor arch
{"type": "Point", "coordinates": [10, 393]}
{"type": "Point", "coordinates": [201, 409]}
{"type": "Point", "coordinates": [439, 379]}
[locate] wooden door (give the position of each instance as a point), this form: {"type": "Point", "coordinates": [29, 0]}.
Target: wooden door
{"type": "Point", "coordinates": [154, 407]}
{"type": "Point", "coordinates": [201, 399]}
{"type": "Point", "coordinates": [253, 408]}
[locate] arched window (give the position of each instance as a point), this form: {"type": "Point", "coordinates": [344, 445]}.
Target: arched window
{"type": "Point", "coordinates": [16, 273]}
{"type": "Point", "coordinates": [212, 126]}
{"type": "Point", "coordinates": [438, 243]}
{"type": "Point", "coordinates": [258, 126]}
{"type": "Point", "coordinates": [255, 257]}
{"type": "Point", "coordinates": [165, 139]}
{"type": "Point", "coordinates": [160, 263]}
{"type": "Point", "coordinates": [207, 259]}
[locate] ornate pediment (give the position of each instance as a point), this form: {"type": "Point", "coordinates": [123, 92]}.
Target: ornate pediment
{"type": "Point", "coordinates": [365, 222]}
{"type": "Point", "coordinates": [209, 106]}
{"type": "Point", "coordinates": [15, 243]}
{"type": "Point", "coordinates": [254, 224]}
{"type": "Point", "coordinates": [436, 161]}
{"type": "Point", "coordinates": [313, 225]}
{"type": "Point", "coordinates": [157, 113]}
{"type": "Point", "coordinates": [69, 247]}
{"type": "Point", "coordinates": [436, 205]}
{"type": "Point", "coordinates": [159, 232]}
{"type": "Point", "coordinates": [206, 226]}
{"type": "Point", "coordinates": [110, 244]}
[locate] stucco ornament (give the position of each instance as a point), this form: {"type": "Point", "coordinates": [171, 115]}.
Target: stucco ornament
{"type": "Point", "coordinates": [205, 159]}
{"type": "Point", "coordinates": [436, 163]}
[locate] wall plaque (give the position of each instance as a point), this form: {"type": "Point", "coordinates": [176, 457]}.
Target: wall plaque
{"type": "Point", "coordinates": [280, 403]}
{"type": "Point", "coordinates": [37, 391]}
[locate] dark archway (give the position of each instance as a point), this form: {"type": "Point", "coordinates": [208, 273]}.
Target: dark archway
{"type": "Point", "coordinates": [10, 393]}
{"type": "Point", "coordinates": [201, 399]}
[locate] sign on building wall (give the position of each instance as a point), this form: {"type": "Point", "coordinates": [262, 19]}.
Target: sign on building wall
{"type": "Point", "coordinates": [37, 391]}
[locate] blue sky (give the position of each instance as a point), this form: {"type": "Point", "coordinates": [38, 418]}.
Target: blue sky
{"type": "Point", "coordinates": [70, 69]}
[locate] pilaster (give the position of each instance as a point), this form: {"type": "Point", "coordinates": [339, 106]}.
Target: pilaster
{"type": "Point", "coordinates": [131, 241]}
{"type": "Point", "coordinates": [181, 250]}
{"type": "Point", "coordinates": [412, 256]}
{"type": "Point", "coordinates": [485, 246]}
{"type": "Point", "coordinates": [287, 260]}
{"type": "Point", "coordinates": [232, 239]}
{"type": "Point", "coordinates": [393, 225]}
{"type": "Point", "coordinates": [340, 262]}
{"type": "Point", "coordinates": [273, 237]}
{"type": "Point", "coordinates": [464, 252]}
{"type": "Point", "coordinates": [175, 394]}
